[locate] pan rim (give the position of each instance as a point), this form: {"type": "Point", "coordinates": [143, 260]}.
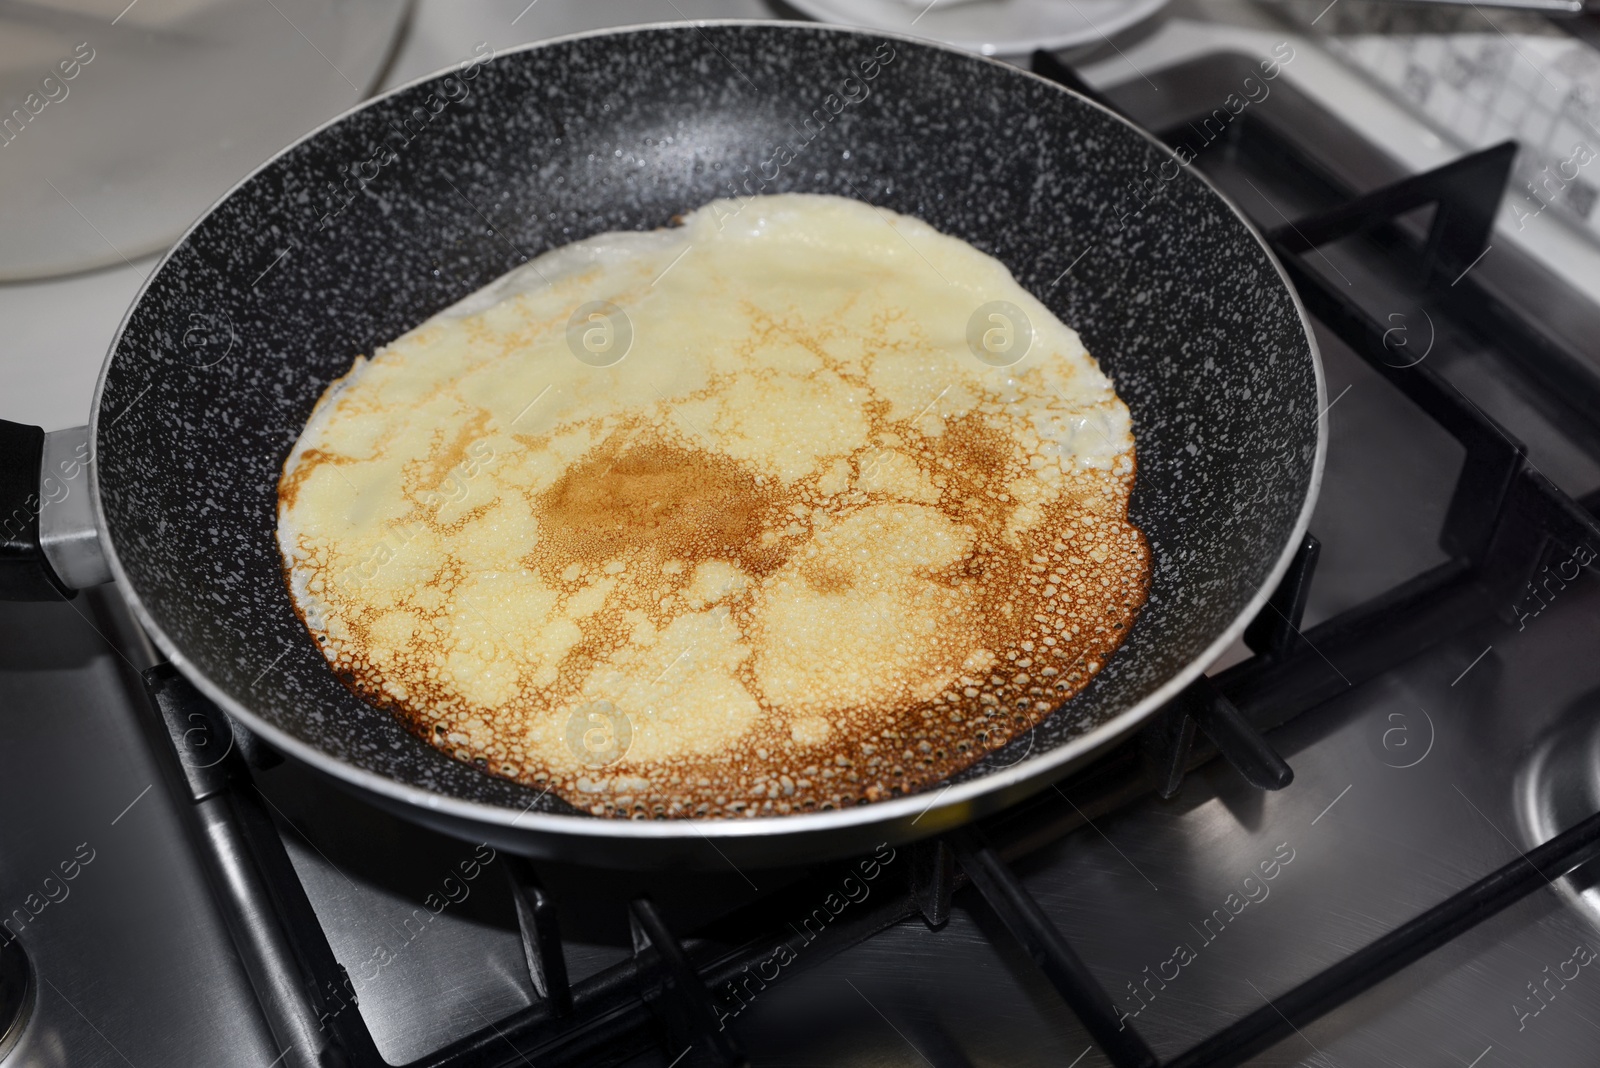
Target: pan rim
{"type": "Point", "coordinates": [962, 801]}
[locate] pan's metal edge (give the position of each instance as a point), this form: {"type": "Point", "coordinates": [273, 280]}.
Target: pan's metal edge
{"type": "Point", "coordinates": [956, 804]}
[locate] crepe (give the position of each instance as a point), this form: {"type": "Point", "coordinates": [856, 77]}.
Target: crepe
{"type": "Point", "coordinates": [796, 505]}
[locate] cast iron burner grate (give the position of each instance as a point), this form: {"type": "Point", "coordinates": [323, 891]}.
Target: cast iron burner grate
{"type": "Point", "coordinates": [1502, 521]}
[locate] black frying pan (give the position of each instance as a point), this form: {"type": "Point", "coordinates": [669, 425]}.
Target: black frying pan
{"type": "Point", "coordinates": [401, 207]}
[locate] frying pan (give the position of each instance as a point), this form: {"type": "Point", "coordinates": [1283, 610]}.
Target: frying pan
{"type": "Point", "coordinates": [404, 205]}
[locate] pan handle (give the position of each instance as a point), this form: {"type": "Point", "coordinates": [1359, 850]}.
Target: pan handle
{"type": "Point", "coordinates": [49, 545]}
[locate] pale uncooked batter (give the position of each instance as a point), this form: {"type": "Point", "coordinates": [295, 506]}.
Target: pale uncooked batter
{"type": "Point", "coordinates": [729, 519]}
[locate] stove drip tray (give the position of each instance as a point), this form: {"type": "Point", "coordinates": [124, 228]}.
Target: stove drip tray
{"type": "Point", "coordinates": [16, 991]}
{"type": "Point", "coordinates": [1559, 787]}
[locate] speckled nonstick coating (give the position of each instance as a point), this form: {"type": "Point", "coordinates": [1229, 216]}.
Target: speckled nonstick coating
{"type": "Point", "coordinates": [273, 293]}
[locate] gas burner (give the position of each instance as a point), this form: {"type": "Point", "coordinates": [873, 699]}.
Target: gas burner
{"type": "Point", "coordinates": [1559, 787]}
{"type": "Point", "coordinates": [16, 994]}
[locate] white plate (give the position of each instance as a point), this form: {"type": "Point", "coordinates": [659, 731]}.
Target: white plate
{"type": "Point", "coordinates": [990, 27]}
{"type": "Point", "coordinates": [123, 128]}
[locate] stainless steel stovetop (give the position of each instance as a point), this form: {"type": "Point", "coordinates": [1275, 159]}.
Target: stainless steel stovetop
{"type": "Point", "coordinates": [1190, 911]}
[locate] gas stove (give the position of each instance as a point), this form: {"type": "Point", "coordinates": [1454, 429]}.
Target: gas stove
{"type": "Point", "coordinates": [1351, 846]}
